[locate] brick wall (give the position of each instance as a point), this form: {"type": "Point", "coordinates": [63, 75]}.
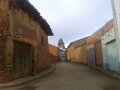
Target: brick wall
{"type": "Point", "coordinates": [98, 53]}
{"type": "Point", "coordinates": [93, 38]}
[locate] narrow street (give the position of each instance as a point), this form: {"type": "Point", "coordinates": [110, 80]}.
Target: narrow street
{"type": "Point", "coordinates": [68, 76]}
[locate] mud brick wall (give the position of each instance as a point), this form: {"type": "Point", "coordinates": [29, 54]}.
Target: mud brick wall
{"type": "Point", "coordinates": [76, 55]}
{"type": "Point", "coordinates": [4, 15]}
{"type": "Point", "coordinates": [44, 58]}
{"type": "Point", "coordinates": [69, 53]}
{"type": "Point", "coordinates": [21, 20]}
{"type": "Point", "coordinates": [4, 31]}
{"type": "Point", "coordinates": [11, 20]}
{"type": "Point", "coordinates": [2, 60]}
{"type": "Point", "coordinates": [33, 32]}
{"type": "Point", "coordinates": [83, 54]}
{"type": "Point", "coordinates": [80, 55]}
{"type": "Point", "coordinates": [54, 51]}
{"type": "Point", "coordinates": [98, 53]}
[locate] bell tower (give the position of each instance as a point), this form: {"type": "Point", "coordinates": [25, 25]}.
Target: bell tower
{"type": "Point", "coordinates": [61, 44]}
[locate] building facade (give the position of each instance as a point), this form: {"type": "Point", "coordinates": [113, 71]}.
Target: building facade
{"type": "Point", "coordinates": [109, 48]}
{"type": "Point", "coordinates": [77, 51]}
{"type": "Point", "coordinates": [54, 52]}
{"type": "Point", "coordinates": [69, 52]}
{"type": "Point", "coordinates": [116, 18]}
{"type": "Point", "coordinates": [24, 40]}
{"type": "Point", "coordinates": [94, 48]}
{"type": "Point", "coordinates": [61, 44]}
{"type": "Point", "coordinates": [62, 50]}
{"type": "Point", "coordinates": [62, 54]}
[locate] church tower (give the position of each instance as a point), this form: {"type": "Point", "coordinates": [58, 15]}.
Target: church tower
{"type": "Point", "coordinates": [61, 44]}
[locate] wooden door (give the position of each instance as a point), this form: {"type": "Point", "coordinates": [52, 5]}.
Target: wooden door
{"type": "Point", "coordinates": [22, 60]}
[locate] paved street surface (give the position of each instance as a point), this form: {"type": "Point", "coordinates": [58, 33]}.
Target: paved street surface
{"type": "Point", "coordinates": [68, 76]}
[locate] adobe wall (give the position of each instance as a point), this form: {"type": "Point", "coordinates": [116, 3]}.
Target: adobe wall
{"type": "Point", "coordinates": [83, 54]}
{"type": "Point", "coordinates": [33, 32]}
{"type": "Point", "coordinates": [80, 55]}
{"type": "Point", "coordinates": [69, 53]}
{"type": "Point", "coordinates": [11, 21]}
{"type": "Point", "coordinates": [98, 53]}
{"type": "Point", "coordinates": [4, 31]}
{"type": "Point", "coordinates": [54, 51]}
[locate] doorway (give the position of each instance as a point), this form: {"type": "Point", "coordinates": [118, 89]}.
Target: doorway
{"type": "Point", "coordinates": [112, 56]}
{"type": "Point", "coordinates": [22, 60]}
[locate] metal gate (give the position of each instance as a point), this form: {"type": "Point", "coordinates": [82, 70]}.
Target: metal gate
{"type": "Point", "coordinates": [91, 57]}
{"type": "Point", "coordinates": [22, 60]}
{"type": "Point", "coordinates": [112, 56]}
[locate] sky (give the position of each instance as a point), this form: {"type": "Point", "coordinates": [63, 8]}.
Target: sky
{"type": "Point", "coordinates": [73, 19]}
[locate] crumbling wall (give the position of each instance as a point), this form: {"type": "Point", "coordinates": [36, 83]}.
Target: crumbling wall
{"type": "Point", "coordinates": [4, 16]}
{"type": "Point", "coordinates": [33, 32]}
{"type": "Point", "coordinates": [4, 31]}
{"type": "Point", "coordinates": [16, 24]}
{"type": "Point", "coordinates": [2, 59]}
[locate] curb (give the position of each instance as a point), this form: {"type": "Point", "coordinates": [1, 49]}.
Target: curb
{"type": "Point", "coordinates": [26, 79]}
{"type": "Point", "coordinates": [108, 73]}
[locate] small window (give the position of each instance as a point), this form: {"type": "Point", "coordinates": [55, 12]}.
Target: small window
{"type": "Point", "coordinates": [42, 40]}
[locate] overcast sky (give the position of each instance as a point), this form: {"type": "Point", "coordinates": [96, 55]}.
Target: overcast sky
{"type": "Point", "coordinates": [73, 19]}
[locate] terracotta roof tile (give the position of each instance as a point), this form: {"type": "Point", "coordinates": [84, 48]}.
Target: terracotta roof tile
{"type": "Point", "coordinates": [32, 11]}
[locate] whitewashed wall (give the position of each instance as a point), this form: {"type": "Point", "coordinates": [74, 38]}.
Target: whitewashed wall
{"type": "Point", "coordinates": [109, 36]}
{"type": "Point", "coordinates": [116, 17]}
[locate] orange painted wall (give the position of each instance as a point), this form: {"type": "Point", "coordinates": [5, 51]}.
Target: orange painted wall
{"type": "Point", "coordinates": [54, 52]}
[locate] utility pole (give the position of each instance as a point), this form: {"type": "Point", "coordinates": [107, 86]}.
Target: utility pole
{"type": "Point", "coordinates": [116, 18]}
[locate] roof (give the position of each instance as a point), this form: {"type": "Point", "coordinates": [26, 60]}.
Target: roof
{"type": "Point", "coordinates": [70, 44]}
{"type": "Point", "coordinates": [52, 45]}
{"type": "Point", "coordinates": [81, 43]}
{"type": "Point", "coordinates": [62, 49]}
{"type": "Point", "coordinates": [96, 35]}
{"type": "Point", "coordinates": [32, 11]}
